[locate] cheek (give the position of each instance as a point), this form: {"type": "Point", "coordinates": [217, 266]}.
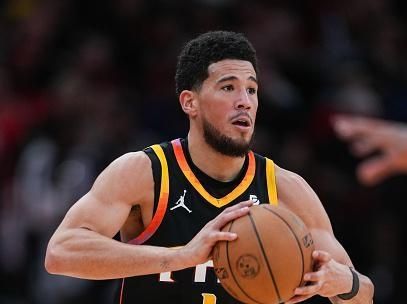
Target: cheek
{"type": "Point", "coordinates": [216, 110]}
{"type": "Point", "coordinates": [255, 107]}
{"type": "Point", "coordinates": [255, 111]}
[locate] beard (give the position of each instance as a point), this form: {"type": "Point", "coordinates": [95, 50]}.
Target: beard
{"type": "Point", "coordinates": [224, 144]}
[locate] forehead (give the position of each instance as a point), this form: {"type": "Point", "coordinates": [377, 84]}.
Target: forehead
{"type": "Point", "coordinates": [231, 67]}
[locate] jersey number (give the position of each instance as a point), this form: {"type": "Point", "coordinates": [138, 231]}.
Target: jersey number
{"type": "Point", "coordinates": [200, 276]}
{"type": "Point", "coordinates": [200, 273]}
{"type": "Point", "coordinates": [208, 298]}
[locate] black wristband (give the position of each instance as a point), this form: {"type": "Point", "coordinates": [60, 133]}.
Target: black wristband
{"type": "Point", "coordinates": [355, 287]}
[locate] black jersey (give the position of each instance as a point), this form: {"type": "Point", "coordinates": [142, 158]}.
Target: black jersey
{"type": "Point", "coordinates": [185, 200]}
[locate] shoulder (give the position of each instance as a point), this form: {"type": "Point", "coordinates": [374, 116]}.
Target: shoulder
{"type": "Point", "coordinates": [288, 181]}
{"type": "Point", "coordinates": [131, 160]}
{"type": "Point", "coordinates": [297, 195]}
{"type": "Point", "coordinates": [128, 165]}
{"type": "Point", "coordinates": [126, 178]}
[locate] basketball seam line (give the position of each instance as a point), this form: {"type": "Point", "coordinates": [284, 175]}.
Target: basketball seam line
{"type": "Point", "coordinates": [296, 238]}
{"type": "Point", "coordinates": [265, 258]}
{"type": "Point", "coordinates": [231, 270]}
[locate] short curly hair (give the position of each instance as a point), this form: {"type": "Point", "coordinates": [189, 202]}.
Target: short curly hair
{"type": "Point", "coordinates": [208, 48]}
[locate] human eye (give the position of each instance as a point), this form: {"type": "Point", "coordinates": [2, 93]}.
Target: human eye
{"type": "Point", "coordinates": [227, 88]}
{"type": "Point", "coordinates": [252, 91]}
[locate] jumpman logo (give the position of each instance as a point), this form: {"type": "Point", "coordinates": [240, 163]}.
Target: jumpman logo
{"type": "Point", "coordinates": [181, 203]}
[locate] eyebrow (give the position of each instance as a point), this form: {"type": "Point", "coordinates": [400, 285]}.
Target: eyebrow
{"type": "Point", "coordinates": [228, 78]}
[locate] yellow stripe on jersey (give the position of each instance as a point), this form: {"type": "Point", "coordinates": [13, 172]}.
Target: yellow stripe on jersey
{"type": "Point", "coordinates": [271, 182]}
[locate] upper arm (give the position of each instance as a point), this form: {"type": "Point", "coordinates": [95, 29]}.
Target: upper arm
{"type": "Point", "coordinates": [104, 209]}
{"type": "Point", "coordinates": [295, 194]}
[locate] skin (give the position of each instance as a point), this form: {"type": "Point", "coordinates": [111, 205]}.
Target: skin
{"type": "Point", "coordinates": [82, 245]}
{"type": "Point", "coordinates": [368, 135]}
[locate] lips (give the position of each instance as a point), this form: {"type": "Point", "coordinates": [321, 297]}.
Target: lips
{"type": "Point", "coordinates": [242, 120]}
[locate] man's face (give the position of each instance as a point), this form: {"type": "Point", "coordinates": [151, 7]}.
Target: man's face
{"type": "Point", "coordinates": [228, 105]}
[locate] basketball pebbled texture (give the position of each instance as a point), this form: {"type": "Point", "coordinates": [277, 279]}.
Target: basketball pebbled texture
{"type": "Point", "coordinates": [269, 258]}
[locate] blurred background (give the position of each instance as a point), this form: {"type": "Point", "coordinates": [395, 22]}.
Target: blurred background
{"type": "Point", "coordinates": [82, 82]}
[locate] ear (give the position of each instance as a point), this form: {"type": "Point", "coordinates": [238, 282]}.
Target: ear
{"type": "Point", "coordinates": [188, 102]}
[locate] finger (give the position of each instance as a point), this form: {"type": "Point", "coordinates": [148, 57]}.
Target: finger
{"type": "Point", "coordinates": [313, 276]}
{"type": "Point", "coordinates": [243, 204]}
{"type": "Point", "coordinates": [298, 299]}
{"type": "Point", "coordinates": [374, 170]}
{"type": "Point", "coordinates": [348, 127]}
{"type": "Point", "coordinates": [365, 146]}
{"type": "Point", "coordinates": [224, 236]}
{"type": "Point", "coordinates": [221, 220]}
{"type": "Point", "coordinates": [308, 290]}
{"type": "Point", "coordinates": [321, 256]}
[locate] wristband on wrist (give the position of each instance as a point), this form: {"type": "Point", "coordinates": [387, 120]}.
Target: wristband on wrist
{"type": "Point", "coordinates": [355, 287]}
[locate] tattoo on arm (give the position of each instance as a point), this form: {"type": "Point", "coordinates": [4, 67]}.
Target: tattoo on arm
{"type": "Point", "coordinates": [164, 265]}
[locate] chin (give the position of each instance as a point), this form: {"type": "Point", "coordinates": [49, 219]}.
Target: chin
{"type": "Point", "coordinates": [244, 138]}
{"type": "Point", "coordinates": [234, 145]}
{"type": "Point", "coordinates": [241, 140]}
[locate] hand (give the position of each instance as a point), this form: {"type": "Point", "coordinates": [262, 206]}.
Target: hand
{"type": "Point", "coordinates": [368, 135]}
{"type": "Point", "coordinates": [328, 280]}
{"type": "Point", "coordinates": [199, 249]}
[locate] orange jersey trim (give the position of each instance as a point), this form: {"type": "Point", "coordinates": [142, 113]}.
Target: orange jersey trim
{"type": "Point", "coordinates": [190, 176]}
{"type": "Point", "coordinates": [162, 201]}
{"type": "Point", "coordinates": [271, 182]}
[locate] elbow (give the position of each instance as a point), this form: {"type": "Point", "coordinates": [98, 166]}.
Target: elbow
{"type": "Point", "coordinates": [53, 259]}
{"type": "Point", "coordinates": [372, 289]}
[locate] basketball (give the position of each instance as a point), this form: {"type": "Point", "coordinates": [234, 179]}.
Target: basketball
{"type": "Point", "coordinates": [268, 259]}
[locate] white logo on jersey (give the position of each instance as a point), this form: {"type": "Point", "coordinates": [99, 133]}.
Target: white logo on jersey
{"type": "Point", "coordinates": [181, 203]}
{"type": "Point", "coordinates": [254, 198]}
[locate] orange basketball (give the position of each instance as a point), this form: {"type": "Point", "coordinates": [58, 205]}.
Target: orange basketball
{"type": "Point", "coordinates": [268, 259]}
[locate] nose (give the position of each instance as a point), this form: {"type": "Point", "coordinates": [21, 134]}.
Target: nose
{"type": "Point", "coordinates": [243, 101]}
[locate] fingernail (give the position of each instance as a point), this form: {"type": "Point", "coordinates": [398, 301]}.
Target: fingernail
{"type": "Point", "coordinates": [233, 236]}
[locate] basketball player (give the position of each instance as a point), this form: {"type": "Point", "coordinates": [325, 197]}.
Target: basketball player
{"type": "Point", "coordinates": [368, 136]}
{"type": "Point", "coordinates": [170, 201]}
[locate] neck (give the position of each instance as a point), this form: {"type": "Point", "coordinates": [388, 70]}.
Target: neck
{"type": "Point", "coordinates": [218, 166]}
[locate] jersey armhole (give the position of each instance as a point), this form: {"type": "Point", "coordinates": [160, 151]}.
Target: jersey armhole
{"type": "Point", "coordinates": [156, 168]}
{"type": "Point", "coordinates": [161, 192]}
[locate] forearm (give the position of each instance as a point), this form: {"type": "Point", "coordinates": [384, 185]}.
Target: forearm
{"type": "Point", "coordinates": [85, 254]}
{"type": "Point", "coordinates": [364, 295]}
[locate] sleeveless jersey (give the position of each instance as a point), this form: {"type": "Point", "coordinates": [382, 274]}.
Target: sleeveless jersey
{"type": "Point", "coordinates": [182, 207]}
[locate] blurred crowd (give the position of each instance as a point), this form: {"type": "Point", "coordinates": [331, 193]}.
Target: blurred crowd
{"type": "Point", "coordinates": [82, 82]}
